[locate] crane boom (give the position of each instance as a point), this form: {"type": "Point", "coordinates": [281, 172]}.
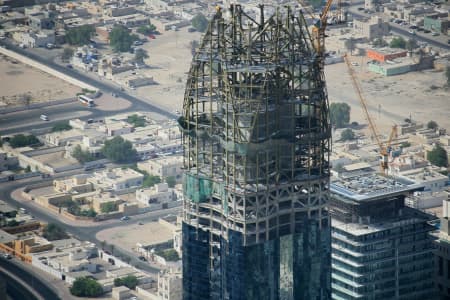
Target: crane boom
{"type": "Point", "coordinates": [372, 126]}
{"type": "Point", "coordinates": [384, 149]}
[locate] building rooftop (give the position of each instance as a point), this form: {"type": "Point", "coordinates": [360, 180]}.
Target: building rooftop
{"type": "Point", "coordinates": [371, 186]}
{"type": "Point", "coordinates": [6, 237]}
{"type": "Point", "coordinates": [410, 216]}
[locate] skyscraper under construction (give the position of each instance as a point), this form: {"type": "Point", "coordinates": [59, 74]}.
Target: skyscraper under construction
{"type": "Point", "coordinates": [256, 141]}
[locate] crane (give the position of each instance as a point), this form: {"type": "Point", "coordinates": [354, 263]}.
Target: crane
{"type": "Point", "coordinates": [384, 148]}
{"type": "Point", "coordinates": [318, 30]}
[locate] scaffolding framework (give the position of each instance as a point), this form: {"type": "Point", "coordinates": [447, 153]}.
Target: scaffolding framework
{"type": "Point", "coordinates": [256, 133]}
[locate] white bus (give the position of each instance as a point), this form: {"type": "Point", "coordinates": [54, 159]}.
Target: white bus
{"type": "Point", "coordinates": [86, 100]}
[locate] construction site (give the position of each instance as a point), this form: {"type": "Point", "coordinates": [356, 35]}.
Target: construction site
{"type": "Point", "coordinates": [257, 141]}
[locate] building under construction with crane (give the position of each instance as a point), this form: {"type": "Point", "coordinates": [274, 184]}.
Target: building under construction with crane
{"type": "Point", "coordinates": [256, 139]}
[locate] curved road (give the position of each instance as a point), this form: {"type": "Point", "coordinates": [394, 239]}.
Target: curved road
{"type": "Point", "coordinates": [11, 122]}
{"type": "Point", "coordinates": [87, 233]}
{"type": "Point", "coordinates": [15, 287]}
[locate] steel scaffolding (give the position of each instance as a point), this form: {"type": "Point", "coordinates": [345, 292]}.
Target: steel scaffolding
{"type": "Point", "coordinates": [256, 132]}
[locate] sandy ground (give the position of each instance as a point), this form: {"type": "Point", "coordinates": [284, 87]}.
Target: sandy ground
{"type": "Point", "coordinates": [17, 79]}
{"type": "Point", "coordinates": [169, 60]}
{"type": "Point", "coordinates": [147, 234]}
{"type": "Point", "coordinates": [390, 99]}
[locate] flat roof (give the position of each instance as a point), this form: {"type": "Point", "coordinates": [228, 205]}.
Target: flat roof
{"type": "Point", "coordinates": [6, 237]}
{"type": "Point", "coordinates": [371, 186]}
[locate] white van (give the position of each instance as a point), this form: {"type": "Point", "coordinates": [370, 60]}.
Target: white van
{"type": "Point", "coordinates": [44, 117]}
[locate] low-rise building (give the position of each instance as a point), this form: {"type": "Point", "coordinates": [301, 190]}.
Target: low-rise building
{"type": "Point", "coordinates": [436, 23]}
{"type": "Point", "coordinates": [7, 162]}
{"type": "Point", "coordinates": [77, 184]}
{"type": "Point", "coordinates": [163, 166]}
{"type": "Point", "coordinates": [117, 179]}
{"type": "Point", "coordinates": [385, 54]}
{"type": "Point", "coordinates": [160, 195]}
{"type": "Point", "coordinates": [170, 284]}
{"type": "Point", "coordinates": [371, 29]}
{"type": "Point", "coordinates": [105, 202]}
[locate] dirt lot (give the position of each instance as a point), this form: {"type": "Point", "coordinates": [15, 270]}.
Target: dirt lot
{"type": "Point", "coordinates": [170, 58]}
{"type": "Point", "coordinates": [147, 234]}
{"type": "Point", "coordinates": [22, 85]}
{"type": "Point", "coordinates": [391, 99]}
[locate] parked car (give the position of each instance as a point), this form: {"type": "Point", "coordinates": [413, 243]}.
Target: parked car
{"type": "Point", "coordinates": [435, 34]}
{"type": "Point", "coordinates": [125, 218]}
{"type": "Point", "coordinates": [426, 31]}
{"type": "Point", "coordinates": [142, 258]}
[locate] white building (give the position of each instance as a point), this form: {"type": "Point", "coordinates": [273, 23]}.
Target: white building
{"type": "Point", "coordinates": [163, 166]}
{"type": "Point", "coordinates": [7, 162]}
{"type": "Point", "coordinates": [160, 195]}
{"type": "Point", "coordinates": [170, 284]}
{"type": "Point", "coordinates": [117, 179]}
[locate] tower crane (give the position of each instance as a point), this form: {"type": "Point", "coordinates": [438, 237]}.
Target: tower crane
{"type": "Point", "coordinates": [318, 30]}
{"type": "Point", "coordinates": [384, 148]}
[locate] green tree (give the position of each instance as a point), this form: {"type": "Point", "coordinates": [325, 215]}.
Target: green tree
{"type": "Point", "coordinates": [169, 255]}
{"type": "Point", "coordinates": [21, 140]}
{"type": "Point", "coordinates": [136, 121]}
{"type": "Point", "coordinates": [347, 135]}
{"type": "Point", "coordinates": [147, 29]}
{"type": "Point", "coordinates": [86, 287]}
{"type": "Point", "coordinates": [140, 55]}
{"type": "Point", "coordinates": [80, 35]}
{"type": "Point", "coordinates": [108, 207]}
{"type": "Point", "coordinates": [379, 42]}
{"type": "Point", "coordinates": [398, 42]}
{"type": "Point", "coordinates": [150, 180]}
{"type": "Point", "coordinates": [12, 223]}
{"type": "Point", "coordinates": [67, 54]}
{"type": "Point", "coordinates": [82, 156]}
{"type": "Point", "coordinates": [447, 75]}
{"type": "Point", "coordinates": [432, 125]}
{"type": "Point", "coordinates": [339, 114]}
{"type": "Point", "coordinates": [119, 151]}
{"type": "Point", "coordinates": [438, 156]}
{"type": "Point", "coordinates": [350, 45]}
{"type": "Point", "coordinates": [199, 22]}
{"type": "Point", "coordinates": [405, 144]}
{"type": "Point", "coordinates": [129, 281]}
{"type": "Point", "coordinates": [61, 126]}
{"type": "Point", "coordinates": [54, 232]}
{"type": "Point", "coordinates": [171, 181]}
{"type": "Point", "coordinates": [121, 39]}
{"type": "Point", "coordinates": [411, 44]}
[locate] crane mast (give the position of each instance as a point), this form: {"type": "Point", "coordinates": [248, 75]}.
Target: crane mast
{"type": "Point", "coordinates": [383, 148]}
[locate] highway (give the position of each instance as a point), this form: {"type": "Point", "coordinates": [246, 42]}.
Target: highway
{"type": "Point", "coordinates": [87, 233]}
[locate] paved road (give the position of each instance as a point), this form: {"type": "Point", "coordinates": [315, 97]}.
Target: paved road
{"type": "Point", "coordinates": [404, 30]}
{"type": "Point", "coordinates": [9, 122]}
{"type": "Point", "coordinates": [35, 283]}
{"type": "Point", "coordinates": [83, 232]}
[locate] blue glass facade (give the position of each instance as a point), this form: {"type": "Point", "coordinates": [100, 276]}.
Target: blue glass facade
{"type": "Point", "coordinates": [293, 267]}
